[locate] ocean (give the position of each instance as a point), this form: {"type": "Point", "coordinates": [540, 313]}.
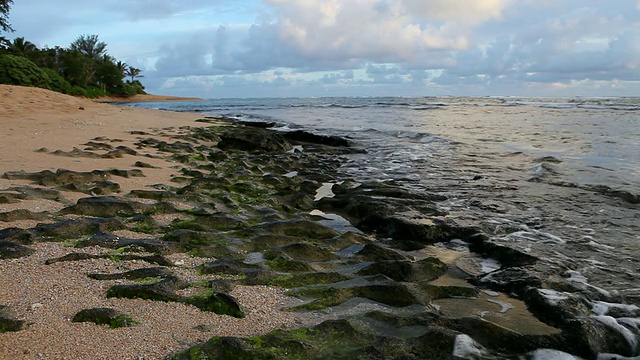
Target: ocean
{"type": "Point", "coordinates": [556, 178]}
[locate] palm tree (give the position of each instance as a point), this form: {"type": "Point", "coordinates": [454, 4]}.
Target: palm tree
{"type": "Point", "coordinates": [22, 47]}
{"type": "Point", "coordinates": [90, 46]}
{"type": "Point", "coordinates": [4, 10]}
{"type": "Point", "coordinates": [122, 67]}
{"type": "Point", "coordinates": [133, 73]}
{"type": "Point", "coordinates": [4, 42]}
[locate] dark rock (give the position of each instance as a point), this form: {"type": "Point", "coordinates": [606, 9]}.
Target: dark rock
{"type": "Point", "coordinates": [554, 307]}
{"type": "Point", "coordinates": [436, 343]}
{"type": "Point", "coordinates": [334, 339]}
{"type": "Point", "coordinates": [299, 280]}
{"type": "Point", "coordinates": [92, 145]}
{"type": "Point", "coordinates": [228, 266]}
{"type": "Point", "coordinates": [306, 252]}
{"type": "Point", "coordinates": [515, 280]}
{"type": "Point", "coordinates": [407, 271]}
{"type": "Point", "coordinates": [126, 173]}
{"type": "Point", "coordinates": [22, 214]}
{"type": "Point", "coordinates": [587, 337]}
{"type": "Point", "coordinates": [119, 152]}
{"type": "Point", "coordinates": [60, 177]}
{"type": "Point", "coordinates": [158, 195]}
{"type": "Point", "coordinates": [221, 348]}
{"type": "Point", "coordinates": [298, 228]}
{"type": "Point", "coordinates": [285, 263]}
{"type": "Point", "coordinates": [252, 139]}
{"type": "Point", "coordinates": [71, 257]}
{"type": "Point", "coordinates": [21, 236]}
{"type": "Point", "coordinates": [163, 290]}
{"type": "Point", "coordinates": [152, 259]}
{"type": "Point", "coordinates": [74, 228]}
{"type": "Point", "coordinates": [500, 339]}
{"type": "Point", "coordinates": [621, 194]}
{"type": "Point", "coordinates": [116, 242]}
{"type": "Point", "coordinates": [505, 255]}
{"type": "Point", "coordinates": [155, 272]}
{"type": "Point", "coordinates": [375, 252]}
{"type": "Point", "coordinates": [14, 194]}
{"type": "Point", "coordinates": [145, 165]}
{"type": "Point", "coordinates": [434, 292]}
{"type": "Point", "coordinates": [259, 124]}
{"type": "Point", "coordinates": [304, 136]}
{"type": "Point", "coordinates": [11, 250]}
{"type": "Point", "coordinates": [77, 153]}
{"type": "Point", "coordinates": [219, 303]}
{"type": "Point", "coordinates": [103, 206]}
{"type": "Point", "coordinates": [8, 321]}
{"type": "Point", "coordinates": [376, 288]}
{"type": "Point", "coordinates": [206, 221]}
{"type": "Point", "coordinates": [104, 316]}
{"type": "Point", "coordinates": [222, 285]}
{"type": "Point", "coordinates": [103, 187]}
{"type": "Point", "coordinates": [267, 241]}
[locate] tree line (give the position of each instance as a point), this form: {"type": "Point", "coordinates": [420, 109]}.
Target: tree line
{"type": "Point", "coordinates": [83, 69]}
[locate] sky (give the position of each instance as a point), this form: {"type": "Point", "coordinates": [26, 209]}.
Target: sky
{"type": "Point", "coordinates": [284, 48]}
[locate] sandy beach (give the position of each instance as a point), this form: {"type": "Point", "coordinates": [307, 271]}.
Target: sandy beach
{"type": "Point", "coordinates": [38, 128]}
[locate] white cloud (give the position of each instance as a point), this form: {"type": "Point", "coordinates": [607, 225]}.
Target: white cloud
{"type": "Point", "coordinates": [466, 11]}
{"type": "Point", "coordinates": [397, 30]}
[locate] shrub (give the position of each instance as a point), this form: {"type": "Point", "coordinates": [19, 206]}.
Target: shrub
{"type": "Point", "coordinates": [94, 92]}
{"type": "Point", "coordinates": [57, 82]}
{"type": "Point", "coordinates": [17, 70]}
{"type": "Point", "coordinates": [78, 91]}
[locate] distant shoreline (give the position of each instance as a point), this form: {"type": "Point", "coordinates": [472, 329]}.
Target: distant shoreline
{"type": "Point", "coordinates": [144, 98]}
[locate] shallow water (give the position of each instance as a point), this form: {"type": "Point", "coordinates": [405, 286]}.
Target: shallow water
{"type": "Point", "coordinates": [557, 178]}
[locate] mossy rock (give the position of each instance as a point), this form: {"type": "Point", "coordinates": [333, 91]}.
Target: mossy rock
{"type": "Point", "coordinates": [219, 303]}
{"type": "Point", "coordinates": [347, 239]}
{"type": "Point", "coordinates": [388, 293]}
{"type": "Point", "coordinates": [299, 228]}
{"type": "Point", "coordinates": [207, 222]}
{"type": "Point", "coordinates": [408, 271]}
{"type": "Point", "coordinates": [496, 337]}
{"type": "Point", "coordinates": [300, 280]}
{"type": "Point", "coordinates": [11, 250]}
{"type": "Point", "coordinates": [103, 206]}
{"type": "Point", "coordinates": [22, 214]}
{"type": "Point", "coordinates": [8, 321]}
{"type": "Point", "coordinates": [143, 291]}
{"type": "Point", "coordinates": [127, 245]}
{"type": "Point", "coordinates": [437, 343]}
{"type": "Point", "coordinates": [228, 266]}
{"type": "Point", "coordinates": [104, 316]}
{"type": "Point", "coordinates": [143, 273]}
{"type": "Point", "coordinates": [189, 239]}
{"type": "Point", "coordinates": [334, 339]}
{"type": "Point", "coordinates": [74, 228]}
{"type": "Point", "coordinates": [284, 263]}
{"type": "Point", "coordinates": [444, 292]}
{"type": "Point", "coordinates": [308, 252]}
{"type": "Point", "coordinates": [267, 241]}
{"type": "Point", "coordinates": [375, 252]}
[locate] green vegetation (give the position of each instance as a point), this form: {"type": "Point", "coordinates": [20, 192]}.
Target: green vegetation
{"type": "Point", "coordinates": [83, 69]}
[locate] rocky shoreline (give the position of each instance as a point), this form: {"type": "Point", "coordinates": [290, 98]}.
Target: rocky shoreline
{"type": "Point", "coordinates": [371, 270]}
